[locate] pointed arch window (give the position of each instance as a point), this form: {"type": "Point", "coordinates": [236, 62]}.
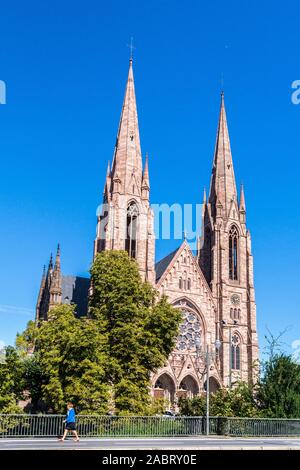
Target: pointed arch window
{"type": "Point", "coordinates": [208, 253]}
{"type": "Point", "coordinates": [235, 352]}
{"type": "Point", "coordinates": [235, 313]}
{"type": "Point", "coordinates": [233, 253]}
{"type": "Point", "coordinates": [131, 229]}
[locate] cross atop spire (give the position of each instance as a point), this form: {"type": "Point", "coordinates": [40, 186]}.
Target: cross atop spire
{"type": "Point", "coordinates": [222, 187]}
{"type": "Point", "coordinates": [131, 47]}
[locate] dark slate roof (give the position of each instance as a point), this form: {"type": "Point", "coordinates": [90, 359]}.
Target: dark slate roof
{"type": "Point", "coordinates": [162, 265]}
{"type": "Point", "coordinates": [75, 290]}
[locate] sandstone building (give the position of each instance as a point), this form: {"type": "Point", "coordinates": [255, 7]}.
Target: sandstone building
{"type": "Point", "coordinates": [213, 287]}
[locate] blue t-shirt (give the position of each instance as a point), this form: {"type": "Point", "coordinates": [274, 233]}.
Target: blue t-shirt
{"type": "Point", "coordinates": [70, 416]}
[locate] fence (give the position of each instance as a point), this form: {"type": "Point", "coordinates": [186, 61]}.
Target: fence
{"type": "Point", "coordinates": [150, 426]}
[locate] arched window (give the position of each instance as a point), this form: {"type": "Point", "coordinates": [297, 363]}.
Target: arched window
{"type": "Point", "coordinates": [189, 284]}
{"type": "Point", "coordinates": [235, 352]}
{"type": "Point", "coordinates": [180, 283]}
{"type": "Point", "coordinates": [207, 249]}
{"type": "Point", "coordinates": [233, 253]}
{"type": "Point", "coordinates": [235, 313]}
{"type": "Point", "coordinates": [131, 229]}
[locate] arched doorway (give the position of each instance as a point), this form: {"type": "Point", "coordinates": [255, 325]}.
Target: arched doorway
{"type": "Point", "coordinates": [188, 387]}
{"type": "Point", "coordinates": [165, 388]}
{"type": "Point", "coordinates": [213, 385]}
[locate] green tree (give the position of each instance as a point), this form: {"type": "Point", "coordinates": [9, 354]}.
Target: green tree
{"type": "Point", "coordinates": [11, 381]}
{"type": "Point", "coordinates": [195, 406]}
{"type": "Point", "coordinates": [25, 341]}
{"type": "Point", "coordinates": [139, 330]}
{"type": "Point", "coordinates": [71, 362]}
{"type": "Point", "coordinates": [239, 401]}
{"type": "Point", "coordinates": [279, 388]}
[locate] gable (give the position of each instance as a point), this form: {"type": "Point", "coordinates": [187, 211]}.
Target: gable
{"type": "Point", "coordinates": [234, 211]}
{"type": "Point", "coordinates": [182, 264]}
{"type": "Point", "coordinates": [161, 266]}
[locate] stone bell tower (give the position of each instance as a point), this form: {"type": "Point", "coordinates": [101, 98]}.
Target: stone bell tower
{"type": "Point", "coordinates": [125, 221]}
{"type": "Point", "coordinates": [226, 260]}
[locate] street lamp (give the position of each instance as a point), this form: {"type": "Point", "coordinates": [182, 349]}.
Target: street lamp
{"type": "Point", "coordinates": [208, 357]}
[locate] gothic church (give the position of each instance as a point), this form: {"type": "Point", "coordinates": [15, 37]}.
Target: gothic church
{"type": "Point", "coordinates": [213, 288]}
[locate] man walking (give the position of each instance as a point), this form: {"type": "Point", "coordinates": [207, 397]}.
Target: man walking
{"type": "Point", "coordinates": [70, 423]}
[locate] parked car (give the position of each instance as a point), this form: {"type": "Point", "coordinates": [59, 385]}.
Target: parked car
{"type": "Point", "coordinates": [169, 414]}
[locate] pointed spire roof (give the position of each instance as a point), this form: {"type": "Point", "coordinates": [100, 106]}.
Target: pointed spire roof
{"type": "Point", "coordinates": [127, 155]}
{"type": "Point", "coordinates": [146, 172]}
{"type": "Point", "coordinates": [204, 196]}
{"type": "Point", "coordinates": [57, 259]}
{"type": "Point", "coordinates": [50, 266]}
{"type": "Point", "coordinates": [242, 205]}
{"type": "Point", "coordinates": [223, 186]}
{"type": "Point", "coordinates": [56, 276]}
{"type": "Point", "coordinates": [108, 169]}
{"type": "Point", "coordinates": [107, 185]}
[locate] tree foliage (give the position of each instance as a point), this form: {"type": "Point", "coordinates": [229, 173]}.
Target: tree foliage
{"type": "Point", "coordinates": [239, 401]}
{"type": "Point", "coordinates": [71, 358]}
{"type": "Point", "coordinates": [139, 330]}
{"type": "Point", "coordinates": [279, 388]}
{"type": "Point", "coordinates": [103, 362]}
{"type": "Point", "coordinates": [26, 340]}
{"type": "Point", "coordinates": [11, 381]}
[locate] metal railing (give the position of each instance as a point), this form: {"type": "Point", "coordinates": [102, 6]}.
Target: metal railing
{"type": "Point", "coordinates": [20, 425]}
{"type": "Point", "coordinates": [262, 427]}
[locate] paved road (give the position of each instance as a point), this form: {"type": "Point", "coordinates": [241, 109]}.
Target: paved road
{"type": "Point", "coordinates": [194, 443]}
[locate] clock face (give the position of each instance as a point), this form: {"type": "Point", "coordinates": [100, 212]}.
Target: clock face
{"type": "Point", "coordinates": [235, 299]}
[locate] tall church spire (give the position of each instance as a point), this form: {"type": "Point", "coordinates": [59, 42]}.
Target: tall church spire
{"type": "Point", "coordinates": [126, 220]}
{"type": "Point", "coordinates": [127, 162]}
{"type": "Point", "coordinates": [222, 187]}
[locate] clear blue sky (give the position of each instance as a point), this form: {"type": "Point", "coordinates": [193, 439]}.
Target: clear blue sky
{"type": "Point", "coordinates": [65, 66]}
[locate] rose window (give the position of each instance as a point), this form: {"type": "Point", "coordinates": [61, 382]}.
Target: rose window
{"type": "Point", "coordinates": [190, 329]}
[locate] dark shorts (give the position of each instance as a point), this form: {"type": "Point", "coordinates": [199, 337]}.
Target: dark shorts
{"type": "Point", "coordinates": [71, 426]}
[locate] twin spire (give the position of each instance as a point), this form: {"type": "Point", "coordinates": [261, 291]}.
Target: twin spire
{"type": "Point", "coordinates": [126, 171]}
{"type": "Point", "coordinates": [223, 186]}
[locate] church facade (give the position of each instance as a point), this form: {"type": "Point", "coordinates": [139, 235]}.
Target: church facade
{"type": "Point", "coordinates": [213, 287]}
